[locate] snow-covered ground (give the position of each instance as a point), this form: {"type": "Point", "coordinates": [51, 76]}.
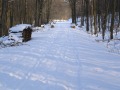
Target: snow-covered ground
{"type": "Point", "coordinates": [59, 58]}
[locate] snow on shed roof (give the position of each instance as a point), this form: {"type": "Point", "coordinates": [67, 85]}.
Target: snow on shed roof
{"type": "Point", "coordinates": [19, 27]}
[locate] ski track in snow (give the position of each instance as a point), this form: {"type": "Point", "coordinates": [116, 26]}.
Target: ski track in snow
{"type": "Point", "coordinates": [59, 58]}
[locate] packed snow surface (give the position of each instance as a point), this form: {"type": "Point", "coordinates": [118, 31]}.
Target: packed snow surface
{"type": "Point", "coordinates": [60, 58]}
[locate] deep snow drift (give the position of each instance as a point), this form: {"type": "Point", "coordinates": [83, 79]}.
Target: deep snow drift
{"type": "Point", "coordinates": [59, 58]}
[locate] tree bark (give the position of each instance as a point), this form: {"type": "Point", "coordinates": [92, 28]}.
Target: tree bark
{"type": "Point", "coordinates": [3, 28]}
{"type": "Point", "coordinates": [87, 15]}
{"type": "Point", "coordinates": [112, 19]}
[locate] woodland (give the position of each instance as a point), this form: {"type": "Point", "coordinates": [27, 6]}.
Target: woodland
{"type": "Point", "coordinates": [59, 44]}
{"type": "Point", "coordinates": [97, 15]}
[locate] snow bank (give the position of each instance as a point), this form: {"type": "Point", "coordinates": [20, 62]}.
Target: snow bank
{"type": "Point", "coordinates": [13, 38]}
{"type": "Point", "coordinates": [19, 27]}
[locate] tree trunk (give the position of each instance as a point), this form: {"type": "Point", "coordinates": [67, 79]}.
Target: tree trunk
{"type": "Point", "coordinates": [104, 18]}
{"type": "Point", "coordinates": [95, 16]}
{"type": "Point", "coordinates": [3, 29]}
{"type": "Point", "coordinates": [87, 15]}
{"type": "Point", "coordinates": [112, 19]}
{"type": "Point", "coordinates": [11, 13]}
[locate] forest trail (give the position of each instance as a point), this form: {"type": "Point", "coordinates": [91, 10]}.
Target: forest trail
{"type": "Point", "coordinates": [59, 58]}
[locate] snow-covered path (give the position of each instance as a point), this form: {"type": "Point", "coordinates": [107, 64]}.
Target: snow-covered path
{"type": "Point", "coordinates": [59, 59]}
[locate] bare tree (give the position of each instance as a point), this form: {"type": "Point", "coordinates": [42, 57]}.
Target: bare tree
{"type": "Point", "coordinates": [112, 19]}
{"type": "Point", "coordinates": [3, 27]}
{"type": "Point", "coordinates": [73, 10]}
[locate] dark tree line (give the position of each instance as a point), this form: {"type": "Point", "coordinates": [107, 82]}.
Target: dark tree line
{"type": "Point", "coordinates": [96, 15]}
{"type": "Point", "coordinates": [99, 15]}
{"type": "Point", "coordinates": [73, 10]}
{"type": "Point", "coordinates": [14, 12]}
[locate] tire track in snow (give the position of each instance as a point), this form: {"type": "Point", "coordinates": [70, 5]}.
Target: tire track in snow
{"type": "Point", "coordinates": [61, 83]}
{"type": "Point", "coordinates": [69, 52]}
{"type": "Point", "coordinates": [73, 39]}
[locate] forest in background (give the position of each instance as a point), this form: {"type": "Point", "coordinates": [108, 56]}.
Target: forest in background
{"type": "Point", "coordinates": [18, 11]}
{"type": "Point", "coordinates": [35, 12]}
{"type": "Point", "coordinates": [96, 15]}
